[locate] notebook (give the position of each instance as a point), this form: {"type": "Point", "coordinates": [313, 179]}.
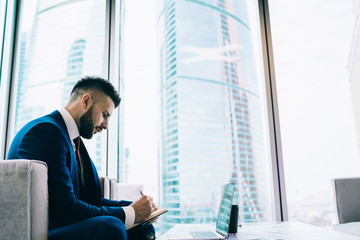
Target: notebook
{"type": "Point", "coordinates": [222, 223]}
{"type": "Point", "coordinates": [154, 215]}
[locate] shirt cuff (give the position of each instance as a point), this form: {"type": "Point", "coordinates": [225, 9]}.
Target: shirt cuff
{"type": "Point", "coordinates": [129, 216]}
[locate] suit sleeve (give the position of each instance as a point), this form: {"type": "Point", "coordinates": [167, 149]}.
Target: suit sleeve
{"type": "Point", "coordinates": [47, 142]}
{"type": "Point", "coordinates": [112, 203]}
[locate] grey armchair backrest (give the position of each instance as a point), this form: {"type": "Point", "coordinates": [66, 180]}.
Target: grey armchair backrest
{"type": "Point", "coordinates": [347, 199]}
{"type": "Point", "coordinates": [23, 199]}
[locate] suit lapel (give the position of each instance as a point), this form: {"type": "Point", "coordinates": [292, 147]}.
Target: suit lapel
{"type": "Point", "coordinates": [71, 162]}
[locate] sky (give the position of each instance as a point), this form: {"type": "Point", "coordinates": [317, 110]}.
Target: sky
{"type": "Point", "coordinates": [311, 42]}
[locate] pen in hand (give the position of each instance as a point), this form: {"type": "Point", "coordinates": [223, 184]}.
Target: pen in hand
{"type": "Point", "coordinates": [154, 208]}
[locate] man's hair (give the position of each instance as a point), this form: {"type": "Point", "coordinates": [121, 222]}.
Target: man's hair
{"type": "Point", "coordinates": [96, 84]}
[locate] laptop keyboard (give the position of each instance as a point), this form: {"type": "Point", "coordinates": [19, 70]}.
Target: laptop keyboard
{"type": "Point", "coordinates": [206, 234]}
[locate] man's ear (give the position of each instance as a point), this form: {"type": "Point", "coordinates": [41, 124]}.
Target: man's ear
{"type": "Point", "coordinates": [86, 101]}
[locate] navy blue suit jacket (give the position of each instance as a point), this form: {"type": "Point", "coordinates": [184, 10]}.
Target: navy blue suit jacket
{"type": "Point", "coordinates": [47, 139]}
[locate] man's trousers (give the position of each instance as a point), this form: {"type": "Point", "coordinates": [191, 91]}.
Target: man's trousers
{"type": "Point", "coordinates": [96, 228]}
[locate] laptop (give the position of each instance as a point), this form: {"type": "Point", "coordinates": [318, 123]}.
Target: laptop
{"type": "Point", "coordinates": [222, 223]}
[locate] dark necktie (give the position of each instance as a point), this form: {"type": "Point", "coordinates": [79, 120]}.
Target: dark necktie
{"type": "Point", "coordinates": [78, 157]}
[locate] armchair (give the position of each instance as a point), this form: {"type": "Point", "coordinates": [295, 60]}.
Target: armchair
{"type": "Point", "coordinates": [347, 202]}
{"type": "Point", "coordinates": [24, 198]}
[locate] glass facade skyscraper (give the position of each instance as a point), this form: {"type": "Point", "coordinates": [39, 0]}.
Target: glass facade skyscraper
{"type": "Point", "coordinates": [211, 114]}
{"type": "Point", "coordinates": [65, 41]}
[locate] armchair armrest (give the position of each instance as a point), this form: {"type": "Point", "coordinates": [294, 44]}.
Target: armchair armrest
{"type": "Point", "coordinates": [105, 187]}
{"type": "Point", "coordinates": [113, 190]}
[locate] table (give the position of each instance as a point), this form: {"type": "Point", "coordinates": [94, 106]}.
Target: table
{"type": "Point", "coordinates": [276, 231]}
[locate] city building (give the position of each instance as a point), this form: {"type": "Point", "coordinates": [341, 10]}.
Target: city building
{"type": "Point", "coordinates": [211, 116]}
{"type": "Point", "coordinates": [50, 59]}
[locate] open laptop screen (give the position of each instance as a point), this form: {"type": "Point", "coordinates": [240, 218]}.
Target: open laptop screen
{"type": "Point", "coordinates": [222, 223]}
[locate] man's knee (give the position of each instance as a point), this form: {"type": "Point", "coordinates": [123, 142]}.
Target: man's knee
{"type": "Point", "coordinates": [110, 227]}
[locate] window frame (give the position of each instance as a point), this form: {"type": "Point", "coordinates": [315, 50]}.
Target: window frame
{"type": "Point", "coordinates": [9, 41]}
{"type": "Point", "coordinates": [277, 165]}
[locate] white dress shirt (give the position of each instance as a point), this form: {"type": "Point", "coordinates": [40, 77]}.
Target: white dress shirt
{"type": "Point", "coordinates": [74, 133]}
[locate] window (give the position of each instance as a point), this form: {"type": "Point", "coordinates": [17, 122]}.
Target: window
{"type": "Point", "coordinates": [190, 74]}
{"type": "Point", "coordinates": [315, 63]}
{"type": "Point", "coordinates": [58, 43]}
{"type": "Point", "coordinates": [203, 94]}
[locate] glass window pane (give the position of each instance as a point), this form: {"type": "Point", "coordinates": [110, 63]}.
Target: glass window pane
{"type": "Point", "coordinates": [314, 50]}
{"type": "Point", "coordinates": [2, 30]}
{"type": "Point", "coordinates": [59, 42]}
{"type": "Point", "coordinates": [210, 110]}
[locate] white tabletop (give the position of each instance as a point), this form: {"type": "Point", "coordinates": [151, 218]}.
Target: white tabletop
{"type": "Point", "coordinates": [277, 231]}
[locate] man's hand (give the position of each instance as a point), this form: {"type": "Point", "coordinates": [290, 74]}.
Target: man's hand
{"type": "Point", "coordinates": [143, 208]}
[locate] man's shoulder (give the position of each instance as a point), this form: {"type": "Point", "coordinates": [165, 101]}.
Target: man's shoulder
{"type": "Point", "coordinates": [50, 119]}
{"type": "Point", "coordinates": [50, 122]}
{"type": "Point", "coordinates": [42, 133]}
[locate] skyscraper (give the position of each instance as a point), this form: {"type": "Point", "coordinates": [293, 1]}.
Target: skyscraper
{"type": "Point", "coordinates": [65, 42]}
{"type": "Point", "coordinates": [74, 69]}
{"type": "Point", "coordinates": [22, 114]}
{"type": "Point", "coordinates": [211, 116]}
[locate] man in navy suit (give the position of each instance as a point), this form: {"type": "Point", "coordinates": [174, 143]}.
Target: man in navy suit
{"type": "Point", "coordinates": [76, 207]}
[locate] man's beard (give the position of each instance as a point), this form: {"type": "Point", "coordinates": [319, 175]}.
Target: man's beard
{"type": "Point", "coordinates": [87, 124]}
